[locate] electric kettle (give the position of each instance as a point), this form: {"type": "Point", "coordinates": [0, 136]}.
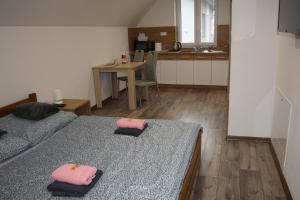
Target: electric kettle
{"type": "Point", "coordinates": [177, 46]}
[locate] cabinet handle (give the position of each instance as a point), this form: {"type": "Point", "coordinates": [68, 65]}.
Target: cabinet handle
{"type": "Point", "coordinates": [203, 57]}
{"type": "Point", "coordinates": [220, 57]}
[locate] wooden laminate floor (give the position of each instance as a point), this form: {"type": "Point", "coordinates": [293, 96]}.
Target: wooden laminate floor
{"type": "Point", "coordinates": [230, 170]}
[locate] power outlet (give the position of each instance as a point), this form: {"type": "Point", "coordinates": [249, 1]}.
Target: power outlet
{"type": "Point", "coordinates": [163, 33]}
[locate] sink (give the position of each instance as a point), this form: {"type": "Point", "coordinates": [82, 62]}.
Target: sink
{"type": "Point", "coordinates": [212, 51]}
{"type": "Point", "coordinates": [175, 51]}
{"type": "Point", "coordinates": [195, 49]}
{"type": "Point", "coordinates": [198, 51]}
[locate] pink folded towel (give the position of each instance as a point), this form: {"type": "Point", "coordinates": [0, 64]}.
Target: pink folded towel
{"type": "Point", "coordinates": [75, 174]}
{"type": "Point", "coordinates": [131, 123]}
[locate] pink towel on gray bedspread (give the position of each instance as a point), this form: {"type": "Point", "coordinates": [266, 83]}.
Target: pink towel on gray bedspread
{"type": "Point", "coordinates": [75, 174]}
{"type": "Point", "coordinates": [131, 123]}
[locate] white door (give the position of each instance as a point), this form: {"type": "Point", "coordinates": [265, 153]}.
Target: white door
{"type": "Point", "coordinates": [202, 72]}
{"type": "Point", "coordinates": [220, 70]}
{"type": "Point", "coordinates": [168, 71]}
{"type": "Point", "coordinates": [185, 71]}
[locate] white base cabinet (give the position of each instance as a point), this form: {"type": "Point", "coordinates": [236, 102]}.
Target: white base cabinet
{"type": "Point", "coordinates": [168, 72]}
{"type": "Point", "coordinates": [220, 72]}
{"type": "Point", "coordinates": [202, 72]}
{"type": "Point", "coordinates": [193, 72]}
{"type": "Point", "coordinates": [185, 71]}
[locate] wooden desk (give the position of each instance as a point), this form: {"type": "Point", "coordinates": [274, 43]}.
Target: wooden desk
{"type": "Point", "coordinates": [130, 68]}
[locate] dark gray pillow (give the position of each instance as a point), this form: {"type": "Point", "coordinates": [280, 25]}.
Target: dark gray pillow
{"type": "Point", "coordinates": [35, 131]}
{"type": "Point", "coordinates": [2, 132]}
{"type": "Point", "coordinates": [34, 111]}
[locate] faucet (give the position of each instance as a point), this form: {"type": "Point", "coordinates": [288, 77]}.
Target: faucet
{"type": "Point", "coordinates": [195, 49]}
{"type": "Point", "coordinates": [198, 48]}
{"type": "Point", "coordinates": [203, 48]}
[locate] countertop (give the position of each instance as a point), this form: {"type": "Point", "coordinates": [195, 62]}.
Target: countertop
{"type": "Point", "coordinates": [214, 52]}
{"type": "Point", "coordinates": [191, 55]}
{"type": "Point", "coordinates": [188, 54]}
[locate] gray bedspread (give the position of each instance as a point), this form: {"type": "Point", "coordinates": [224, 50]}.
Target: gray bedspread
{"type": "Point", "coordinates": [23, 134]}
{"type": "Point", "coordinates": [35, 131]}
{"type": "Point", "coordinates": [151, 166]}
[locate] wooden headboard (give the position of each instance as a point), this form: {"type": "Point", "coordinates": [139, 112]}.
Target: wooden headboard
{"type": "Point", "coordinates": [5, 110]}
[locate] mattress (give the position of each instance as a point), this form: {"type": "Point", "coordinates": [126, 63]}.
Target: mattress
{"type": "Point", "coordinates": [35, 131]}
{"type": "Point", "coordinates": [151, 166]}
{"type": "Point", "coordinates": [23, 134]}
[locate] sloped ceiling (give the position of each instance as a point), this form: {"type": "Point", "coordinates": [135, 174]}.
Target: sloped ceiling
{"type": "Point", "coordinates": [72, 12]}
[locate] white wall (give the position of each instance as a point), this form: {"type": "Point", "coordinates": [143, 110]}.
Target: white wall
{"type": "Point", "coordinates": [40, 59]}
{"type": "Point", "coordinates": [253, 67]}
{"type": "Point", "coordinates": [163, 13]}
{"type": "Point", "coordinates": [224, 12]}
{"type": "Point", "coordinates": [72, 12]}
{"type": "Point", "coordinates": [288, 82]}
{"type": "Point", "coordinates": [261, 61]}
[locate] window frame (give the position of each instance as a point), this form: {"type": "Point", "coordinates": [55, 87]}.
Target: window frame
{"type": "Point", "coordinates": [197, 25]}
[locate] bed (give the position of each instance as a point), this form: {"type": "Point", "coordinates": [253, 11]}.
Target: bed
{"type": "Point", "coordinates": [151, 166]}
{"type": "Point", "coordinates": [24, 134]}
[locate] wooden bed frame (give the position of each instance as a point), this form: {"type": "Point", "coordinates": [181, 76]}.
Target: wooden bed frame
{"type": "Point", "coordinates": [191, 173]}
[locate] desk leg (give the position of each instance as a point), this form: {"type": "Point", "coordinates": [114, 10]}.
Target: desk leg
{"type": "Point", "coordinates": [97, 86]}
{"type": "Point", "coordinates": [115, 89]}
{"type": "Point", "coordinates": [131, 90]}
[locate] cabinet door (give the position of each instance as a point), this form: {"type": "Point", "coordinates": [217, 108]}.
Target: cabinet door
{"type": "Point", "coordinates": [185, 71]}
{"type": "Point", "coordinates": [202, 72]}
{"type": "Point", "coordinates": [158, 71]}
{"type": "Point", "coordinates": [168, 71]}
{"type": "Point", "coordinates": [220, 70]}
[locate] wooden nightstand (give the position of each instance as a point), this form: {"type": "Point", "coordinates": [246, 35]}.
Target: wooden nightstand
{"type": "Point", "coordinates": [77, 106]}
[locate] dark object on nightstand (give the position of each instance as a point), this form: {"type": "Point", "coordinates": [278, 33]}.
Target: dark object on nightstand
{"type": "Point", "coordinates": [77, 106]}
{"type": "Point", "coordinates": [60, 105]}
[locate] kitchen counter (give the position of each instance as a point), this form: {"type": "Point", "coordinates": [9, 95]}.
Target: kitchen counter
{"type": "Point", "coordinates": [191, 55]}
{"type": "Point", "coordinates": [190, 68]}
{"type": "Point", "coordinates": [187, 54]}
{"type": "Point", "coordinates": [193, 68]}
{"type": "Point", "coordinates": [205, 52]}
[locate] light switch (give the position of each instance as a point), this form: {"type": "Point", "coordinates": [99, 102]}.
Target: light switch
{"type": "Point", "coordinates": [163, 33]}
{"type": "Point", "coordinates": [298, 43]}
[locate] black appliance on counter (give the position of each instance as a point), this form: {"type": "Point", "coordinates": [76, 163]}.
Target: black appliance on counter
{"type": "Point", "coordinates": [144, 45]}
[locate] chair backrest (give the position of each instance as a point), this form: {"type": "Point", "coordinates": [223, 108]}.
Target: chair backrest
{"type": "Point", "coordinates": [138, 56]}
{"type": "Point", "coordinates": [150, 66]}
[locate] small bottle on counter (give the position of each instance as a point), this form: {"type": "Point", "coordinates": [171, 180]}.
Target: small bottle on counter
{"type": "Point", "coordinates": [124, 58]}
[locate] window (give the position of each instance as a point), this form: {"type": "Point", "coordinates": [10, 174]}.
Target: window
{"type": "Point", "coordinates": [208, 24]}
{"type": "Point", "coordinates": [197, 22]}
{"type": "Point", "coordinates": [187, 21]}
